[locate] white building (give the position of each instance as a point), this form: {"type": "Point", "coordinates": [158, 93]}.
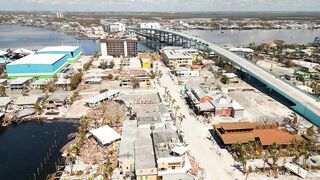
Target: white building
{"type": "Point", "coordinates": [116, 27]}
{"type": "Point", "coordinates": [149, 25]}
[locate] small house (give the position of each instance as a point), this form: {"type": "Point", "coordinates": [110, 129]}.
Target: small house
{"type": "Point", "coordinates": [27, 101]}
{"type": "Point", "coordinates": [19, 83]}
{"type": "Point", "coordinates": [4, 102]}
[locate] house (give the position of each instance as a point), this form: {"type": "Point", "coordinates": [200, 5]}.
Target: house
{"type": "Point", "coordinates": [27, 101]}
{"type": "Point", "coordinates": [246, 132]}
{"type": "Point", "coordinates": [170, 155]}
{"type": "Point", "coordinates": [213, 103]}
{"type": "Point", "coordinates": [93, 81]}
{"type": "Point", "coordinates": [98, 99]}
{"type": "Point", "coordinates": [19, 83]}
{"type": "Point", "coordinates": [105, 135]}
{"type": "Point", "coordinates": [4, 102]}
{"type": "Point", "coordinates": [127, 145]}
{"type": "Point", "coordinates": [222, 107]}
{"type": "Point", "coordinates": [146, 60]}
{"type": "Point", "coordinates": [145, 163]}
{"type": "Point", "coordinates": [57, 100]}
{"type": "Point", "coordinates": [3, 82]}
{"type": "Point", "coordinates": [229, 78]}
{"type": "Point", "coordinates": [63, 84]}
{"type": "Point", "coordinates": [40, 84]}
{"type": "Point", "coordinates": [186, 72]}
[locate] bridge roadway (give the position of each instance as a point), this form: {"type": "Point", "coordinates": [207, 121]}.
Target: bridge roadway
{"type": "Point", "coordinates": [289, 91]}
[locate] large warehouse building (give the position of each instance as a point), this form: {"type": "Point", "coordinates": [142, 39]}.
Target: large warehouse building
{"type": "Point", "coordinates": [73, 52]}
{"type": "Point", "coordinates": [37, 66]}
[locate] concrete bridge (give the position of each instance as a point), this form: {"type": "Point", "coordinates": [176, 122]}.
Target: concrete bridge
{"type": "Point", "coordinates": [302, 103]}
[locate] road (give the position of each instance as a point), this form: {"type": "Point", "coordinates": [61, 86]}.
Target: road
{"type": "Point", "coordinates": [285, 88]}
{"type": "Point", "coordinates": [202, 149]}
{"type": "Point", "coordinates": [280, 86]}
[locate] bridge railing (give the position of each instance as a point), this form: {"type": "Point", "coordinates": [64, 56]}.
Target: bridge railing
{"type": "Point", "coordinates": [204, 44]}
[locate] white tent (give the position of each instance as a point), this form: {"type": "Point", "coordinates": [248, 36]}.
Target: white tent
{"type": "Point", "coordinates": [105, 134]}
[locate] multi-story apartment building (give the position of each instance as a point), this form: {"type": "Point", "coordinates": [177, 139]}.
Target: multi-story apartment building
{"type": "Point", "coordinates": [119, 47]}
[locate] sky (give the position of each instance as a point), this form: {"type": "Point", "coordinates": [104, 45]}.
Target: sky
{"type": "Point", "coordinates": [160, 5]}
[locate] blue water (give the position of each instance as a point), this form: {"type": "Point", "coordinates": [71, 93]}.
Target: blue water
{"type": "Point", "coordinates": [15, 36]}
{"type": "Point", "coordinates": [23, 148]}
{"type": "Point", "coordinates": [243, 38]}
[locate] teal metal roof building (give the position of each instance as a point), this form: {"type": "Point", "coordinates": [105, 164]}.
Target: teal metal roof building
{"type": "Point", "coordinates": [37, 66]}
{"type": "Point", "coordinates": [73, 53]}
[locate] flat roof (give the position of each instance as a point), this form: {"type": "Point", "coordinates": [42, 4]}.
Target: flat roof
{"type": "Point", "coordinates": [102, 96]}
{"type": "Point", "coordinates": [176, 54]}
{"type": "Point", "coordinates": [128, 138]}
{"type": "Point", "coordinates": [165, 140]}
{"type": "Point", "coordinates": [39, 59]}
{"type": "Point", "coordinates": [237, 125]}
{"type": "Point", "coordinates": [105, 134]}
{"type": "Point", "coordinates": [59, 48]}
{"type": "Point", "coordinates": [144, 157]}
{"type": "Point", "coordinates": [266, 135]}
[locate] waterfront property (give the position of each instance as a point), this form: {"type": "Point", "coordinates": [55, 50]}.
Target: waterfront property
{"type": "Point", "coordinates": [246, 132]}
{"type": "Point", "coordinates": [119, 47]}
{"type": "Point", "coordinates": [105, 135]}
{"type": "Point", "coordinates": [27, 101]}
{"type": "Point", "coordinates": [37, 66]}
{"type": "Point", "coordinates": [4, 102]}
{"type": "Point", "coordinates": [72, 53]}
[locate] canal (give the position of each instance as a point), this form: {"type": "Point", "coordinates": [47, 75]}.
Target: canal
{"type": "Point", "coordinates": [28, 146]}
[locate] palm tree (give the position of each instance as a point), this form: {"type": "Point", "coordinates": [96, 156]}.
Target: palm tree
{"type": "Point", "coordinates": [181, 118]}
{"type": "Point", "coordinates": [274, 153]}
{"type": "Point", "coordinates": [172, 102]}
{"type": "Point", "coordinates": [248, 172]}
{"type": "Point", "coordinates": [166, 93]}
{"type": "Point", "coordinates": [130, 109]}
{"type": "Point", "coordinates": [176, 108]}
{"type": "Point", "coordinates": [243, 157]}
{"type": "Point", "coordinates": [70, 157]}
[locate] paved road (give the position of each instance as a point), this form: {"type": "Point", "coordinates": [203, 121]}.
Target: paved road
{"type": "Point", "coordinates": [309, 102]}
{"type": "Point", "coordinates": [216, 166]}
